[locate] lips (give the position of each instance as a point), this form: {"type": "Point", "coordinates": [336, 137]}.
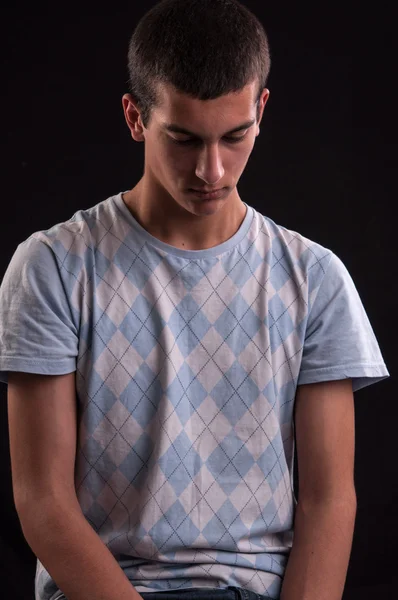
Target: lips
{"type": "Point", "coordinates": [209, 196]}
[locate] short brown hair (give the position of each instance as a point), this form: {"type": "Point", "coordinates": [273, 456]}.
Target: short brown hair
{"type": "Point", "coordinates": [204, 48]}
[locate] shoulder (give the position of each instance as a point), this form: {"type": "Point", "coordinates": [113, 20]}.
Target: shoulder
{"type": "Point", "coordinates": [293, 256]}
{"type": "Point", "coordinates": [73, 238]}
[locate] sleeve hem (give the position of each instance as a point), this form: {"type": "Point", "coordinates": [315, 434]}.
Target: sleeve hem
{"type": "Point", "coordinates": [362, 374]}
{"type": "Point", "coordinates": [35, 366]}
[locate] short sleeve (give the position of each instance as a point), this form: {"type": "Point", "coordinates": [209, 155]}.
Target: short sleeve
{"type": "Point", "coordinates": [37, 332]}
{"type": "Point", "coordinates": [339, 340]}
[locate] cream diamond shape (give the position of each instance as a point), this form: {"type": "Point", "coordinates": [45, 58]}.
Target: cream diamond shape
{"type": "Point", "coordinates": [131, 362]}
{"type": "Point", "coordinates": [118, 344]}
{"type": "Point", "coordinates": [210, 375]}
{"type": "Point", "coordinates": [201, 513]}
{"type": "Point", "coordinates": [287, 360]}
{"type": "Point", "coordinates": [165, 497]}
{"type": "Point", "coordinates": [254, 480]}
{"type": "Point", "coordinates": [293, 295]}
{"type": "Point", "coordinates": [131, 430]}
{"type": "Point", "coordinates": [104, 432]}
{"type": "Point", "coordinates": [118, 414]}
{"type": "Point", "coordinates": [212, 308]}
{"type": "Point", "coordinates": [240, 496]}
{"type": "Point", "coordinates": [118, 482]}
{"type": "Point", "coordinates": [110, 302]}
{"type": "Point", "coordinates": [118, 449]}
{"type": "Point", "coordinates": [162, 298]}
{"type": "Point", "coordinates": [194, 428]}
{"type": "Point", "coordinates": [214, 496]}
{"type": "Point", "coordinates": [205, 444]}
{"type": "Point", "coordinates": [220, 427]}
{"type": "Point", "coordinates": [256, 365]}
{"type": "Point", "coordinates": [208, 410]}
{"type": "Point", "coordinates": [117, 380]}
{"type": "Point", "coordinates": [189, 496]}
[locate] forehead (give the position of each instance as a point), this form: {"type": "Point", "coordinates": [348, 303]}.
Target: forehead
{"type": "Point", "coordinates": [223, 113]}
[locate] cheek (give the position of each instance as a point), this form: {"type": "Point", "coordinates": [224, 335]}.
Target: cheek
{"type": "Point", "coordinates": [162, 162]}
{"type": "Point", "coordinates": [236, 161]}
{"type": "Point", "coordinates": [168, 159]}
{"type": "Point", "coordinates": [176, 161]}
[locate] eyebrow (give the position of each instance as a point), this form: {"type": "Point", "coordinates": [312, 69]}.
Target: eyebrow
{"type": "Point", "coordinates": [176, 129]}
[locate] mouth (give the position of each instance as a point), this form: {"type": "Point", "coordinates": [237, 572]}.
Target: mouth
{"type": "Point", "coordinates": [209, 195]}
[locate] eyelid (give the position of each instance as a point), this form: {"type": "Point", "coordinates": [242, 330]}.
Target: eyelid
{"type": "Point", "coordinates": [229, 138]}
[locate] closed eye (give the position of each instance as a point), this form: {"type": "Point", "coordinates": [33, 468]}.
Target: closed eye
{"type": "Point", "coordinates": [229, 140]}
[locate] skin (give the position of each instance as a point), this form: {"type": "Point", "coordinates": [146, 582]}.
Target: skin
{"type": "Point", "coordinates": [161, 202]}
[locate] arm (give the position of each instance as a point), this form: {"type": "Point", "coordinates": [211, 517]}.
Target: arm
{"type": "Point", "coordinates": [326, 509]}
{"type": "Point", "coordinates": [42, 426]}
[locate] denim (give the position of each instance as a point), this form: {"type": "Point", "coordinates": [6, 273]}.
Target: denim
{"type": "Point", "coordinates": [228, 593]}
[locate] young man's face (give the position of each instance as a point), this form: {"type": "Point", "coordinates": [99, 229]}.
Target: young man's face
{"type": "Point", "coordinates": [212, 159]}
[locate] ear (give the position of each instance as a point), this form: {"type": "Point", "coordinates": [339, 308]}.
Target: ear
{"type": "Point", "coordinates": [263, 101]}
{"type": "Point", "coordinates": [133, 119]}
{"type": "Point", "coordinates": [265, 96]}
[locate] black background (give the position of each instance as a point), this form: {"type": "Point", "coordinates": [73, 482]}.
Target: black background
{"type": "Point", "coordinates": [323, 165]}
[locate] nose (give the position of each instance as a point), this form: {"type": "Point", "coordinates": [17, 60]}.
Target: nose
{"type": "Point", "coordinates": [209, 166]}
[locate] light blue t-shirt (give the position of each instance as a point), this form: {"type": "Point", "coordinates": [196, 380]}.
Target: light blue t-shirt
{"type": "Point", "coordinates": [187, 364]}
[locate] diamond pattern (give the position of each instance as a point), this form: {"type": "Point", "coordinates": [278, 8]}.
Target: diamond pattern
{"type": "Point", "coordinates": [187, 364]}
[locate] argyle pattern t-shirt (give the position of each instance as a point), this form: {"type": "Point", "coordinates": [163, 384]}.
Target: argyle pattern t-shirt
{"type": "Point", "coordinates": [187, 364]}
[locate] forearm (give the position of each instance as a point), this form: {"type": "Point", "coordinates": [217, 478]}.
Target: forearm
{"type": "Point", "coordinates": [73, 553]}
{"type": "Point", "coordinates": [318, 562]}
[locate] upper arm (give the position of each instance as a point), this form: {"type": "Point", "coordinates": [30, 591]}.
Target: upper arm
{"type": "Point", "coordinates": [325, 438]}
{"type": "Point", "coordinates": [42, 429]}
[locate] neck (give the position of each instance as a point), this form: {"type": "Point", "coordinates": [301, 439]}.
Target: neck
{"type": "Point", "coordinates": [197, 229]}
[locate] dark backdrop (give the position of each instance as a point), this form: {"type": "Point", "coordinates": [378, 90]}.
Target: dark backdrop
{"type": "Point", "coordinates": [322, 166]}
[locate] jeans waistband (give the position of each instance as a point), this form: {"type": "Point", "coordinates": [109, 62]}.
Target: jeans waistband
{"type": "Point", "coordinates": [227, 593]}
